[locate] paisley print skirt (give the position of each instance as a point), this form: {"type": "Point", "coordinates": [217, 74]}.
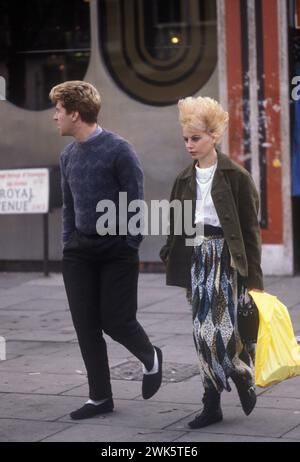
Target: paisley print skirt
{"type": "Point", "coordinates": [217, 289]}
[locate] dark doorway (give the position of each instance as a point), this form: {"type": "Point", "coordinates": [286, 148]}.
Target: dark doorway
{"type": "Point", "coordinates": [294, 57]}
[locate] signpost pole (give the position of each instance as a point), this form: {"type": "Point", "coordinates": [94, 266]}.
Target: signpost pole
{"type": "Point", "coordinates": [46, 243]}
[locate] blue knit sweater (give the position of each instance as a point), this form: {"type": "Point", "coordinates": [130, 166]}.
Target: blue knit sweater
{"type": "Point", "coordinates": [96, 169]}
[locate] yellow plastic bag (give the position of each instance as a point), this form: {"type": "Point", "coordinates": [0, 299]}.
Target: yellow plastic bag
{"type": "Point", "coordinates": [277, 351]}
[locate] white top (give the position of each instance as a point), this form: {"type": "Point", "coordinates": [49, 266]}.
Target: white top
{"type": "Point", "coordinates": [205, 209]}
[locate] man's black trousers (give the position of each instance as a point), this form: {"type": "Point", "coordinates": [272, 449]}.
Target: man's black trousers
{"type": "Point", "coordinates": [101, 277]}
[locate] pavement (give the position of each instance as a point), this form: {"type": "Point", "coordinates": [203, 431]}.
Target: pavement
{"type": "Point", "coordinates": [43, 377]}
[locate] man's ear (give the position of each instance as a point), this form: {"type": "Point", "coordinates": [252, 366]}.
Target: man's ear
{"type": "Point", "coordinates": [75, 116]}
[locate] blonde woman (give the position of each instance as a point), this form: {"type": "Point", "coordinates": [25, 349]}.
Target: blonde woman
{"type": "Point", "coordinates": [224, 261]}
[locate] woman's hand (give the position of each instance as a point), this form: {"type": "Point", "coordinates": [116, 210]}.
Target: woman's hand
{"type": "Point", "coordinates": [255, 290]}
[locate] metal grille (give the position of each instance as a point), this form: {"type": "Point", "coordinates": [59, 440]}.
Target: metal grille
{"type": "Point", "coordinates": [172, 372]}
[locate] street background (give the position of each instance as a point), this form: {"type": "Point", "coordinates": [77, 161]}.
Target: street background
{"type": "Point", "coordinates": [43, 377]}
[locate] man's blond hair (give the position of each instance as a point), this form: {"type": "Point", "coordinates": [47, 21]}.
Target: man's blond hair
{"type": "Point", "coordinates": [76, 95]}
{"type": "Point", "coordinates": [203, 114]}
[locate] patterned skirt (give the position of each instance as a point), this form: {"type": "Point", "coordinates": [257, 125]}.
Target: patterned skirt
{"type": "Point", "coordinates": [217, 289]}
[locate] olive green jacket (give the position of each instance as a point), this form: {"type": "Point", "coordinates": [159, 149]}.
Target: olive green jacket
{"type": "Point", "coordinates": [236, 201]}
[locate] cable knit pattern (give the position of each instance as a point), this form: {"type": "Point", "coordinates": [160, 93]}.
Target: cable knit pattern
{"type": "Point", "coordinates": [96, 169]}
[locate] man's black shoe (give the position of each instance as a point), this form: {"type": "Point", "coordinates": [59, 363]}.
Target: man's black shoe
{"type": "Point", "coordinates": [207, 417]}
{"type": "Point", "coordinates": [91, 410]}
{"type": "Point", "coordinates": [246, 392]}
{"type": "Point", "coordinates": [152, 382]}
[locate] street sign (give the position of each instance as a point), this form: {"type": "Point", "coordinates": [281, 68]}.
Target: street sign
{"type": "Point", "coordinates": [24, 191]}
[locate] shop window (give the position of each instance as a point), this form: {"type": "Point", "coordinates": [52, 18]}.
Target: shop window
{"type": "Point", "coordinates": [43, 43]}
{"type": "Point", "coordinates": [158, 51]}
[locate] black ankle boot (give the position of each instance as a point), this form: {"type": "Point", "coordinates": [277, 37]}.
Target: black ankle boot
{"type": "Point", "coordinates": [211, 413]}
{"type": "Point", "coordinates": [246, 392]}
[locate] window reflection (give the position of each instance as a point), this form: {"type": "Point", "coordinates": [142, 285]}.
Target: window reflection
{"type": "Point", "coordinates": [159, 50]}
{"type": "Point", "coordinates": [42, 43]}
{"type": "Point", "coordinates": [163, 27]}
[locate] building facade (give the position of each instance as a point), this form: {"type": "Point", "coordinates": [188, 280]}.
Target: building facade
{"type": "Point", "coordinates": [143, 56]}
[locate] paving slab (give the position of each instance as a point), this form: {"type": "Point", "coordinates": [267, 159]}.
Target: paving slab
{"type": "Point", "coordinates": [66, 334]}
{"type": "Point", "coordinates": [146, 318]}
{"type": "Point", "coordinates": [178, 305]}
{"type": "Point", "coordinates": [262, 422]}
{"type": "Point", "coordinates": [142, 414]}
{"type": "Point", "coordinates": [37, 407]}
{"type": "Point", "coordinates": [287, 297]}
{"type": "Point", "coordinates": [122, 389]}
{"type": "Point", "coordinates": [274, 402]}
{"type": "Point", "coordinates": [57, 363]}
{"type": "Point", "coordinates": [172, 326]}
{"type": "Point", "coordinates": [178, 342]}
{"type": "Point", "coordinates": [36, 382]}
{"type": "Point", "coordinates": [290, 388]}
{"type": "Point", "coordinates": [223, 438]}
{"type": "Point", "coordinates": [61, 361]}
{"type": "Point", "coordinates": [269, 281]}
{"type": "Point", "coordinates": [33, 291]}
{"type": "Point", "coordinates": [178, 351]}
{"type": "Point", "coordinates": [35, 304]}
{"type": "Point", "coordinates": [156, 280]}
{"type": "Point", "coordinates": [191, 391]}
{"type": "Point", "coordinates": [9, 280]}
{"type": "Point", "coordinates": [53, 280]}
{"type": "Point", "coordinates": [13, 431]}
{"type": "Point", "coordinates": [8, 300]}
{"type": "Point", "coordinates": [294, 434]}
{"type": "Point", "coordinates": [58, 294]}
{"type": "Point", "coordinates": [103, 433]}
{"type": "Point", "coordinates": [165, 308]}
{"type": "Point", "coordinates": [34, 320]}
{"type": "Point", "coordinates": [37, 348]}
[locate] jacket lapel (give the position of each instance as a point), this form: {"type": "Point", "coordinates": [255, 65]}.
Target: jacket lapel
{"type": "Point", "coordinates": [190, 189]}
{"type": "Point", "coordinates": [219, 185]}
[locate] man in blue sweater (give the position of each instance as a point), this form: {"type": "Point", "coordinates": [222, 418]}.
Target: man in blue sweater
{"type": "Point", "coordinates": [100, 271]}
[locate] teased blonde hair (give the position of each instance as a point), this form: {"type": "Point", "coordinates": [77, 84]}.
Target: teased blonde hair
{"type": "Point", "coordinates": [76, 95]}
{"type": "Point", "coordinates": [203, 114]}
